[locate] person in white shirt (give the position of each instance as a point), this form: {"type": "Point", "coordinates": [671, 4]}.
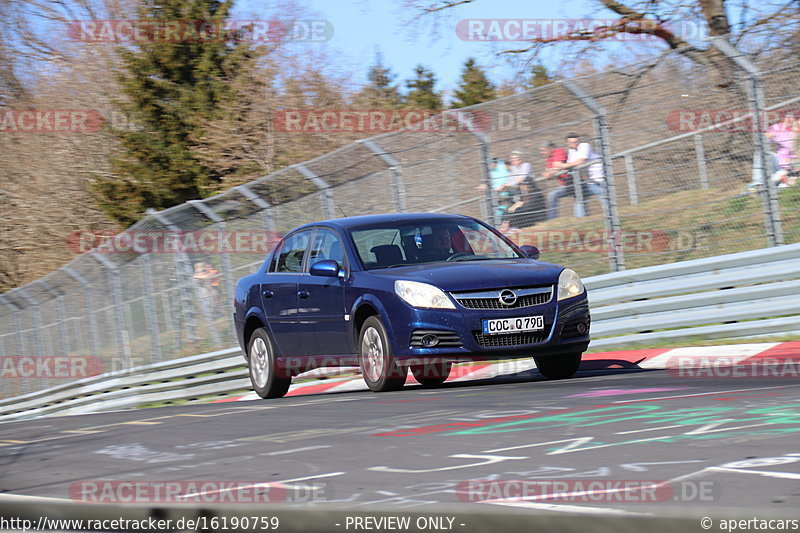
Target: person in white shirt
{"type": "Point", "coordinates": [517, 170]}
{"type": "Point", "coordinates": [579, 153]}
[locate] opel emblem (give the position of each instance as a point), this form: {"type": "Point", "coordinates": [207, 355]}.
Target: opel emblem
{"type": "Point", "coordinates": [507, 297]}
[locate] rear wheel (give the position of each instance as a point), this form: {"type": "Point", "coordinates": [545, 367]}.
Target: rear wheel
{"type": "Point", "coordinates": [378, 367]}
{"type": "Point", "coordinates": [558, 366]}
{"type": "Point", "coordinates": [263, 367]}
{"type": "Point", "coordinates": [431, 375]}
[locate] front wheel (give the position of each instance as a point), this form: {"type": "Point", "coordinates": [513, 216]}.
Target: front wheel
{"type": "Point", "coordinates": [262, 364]}
{"type": "Point", "coordinates": [431, 375]}
{"type": "Point", "coordinates": [558, 366]}
{"type": "Point", "coordinates": [378, 367]}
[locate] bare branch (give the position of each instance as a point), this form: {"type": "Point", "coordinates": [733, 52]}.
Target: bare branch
{"type": "Point", "coordinates": [446, 5]}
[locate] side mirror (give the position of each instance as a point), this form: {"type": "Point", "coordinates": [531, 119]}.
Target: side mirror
{"type": "Point", "coordinates": [327, 267]}
{"type": "Point", "coordinates": [530, 251]}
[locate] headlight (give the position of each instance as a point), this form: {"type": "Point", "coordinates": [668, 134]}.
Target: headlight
{"type": "Point", "coordinates": [569, 284]}
{"type": "Point", "coordinates": [418, 294]}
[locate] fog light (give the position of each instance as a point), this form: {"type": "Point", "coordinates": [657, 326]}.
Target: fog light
{"type": "Point", "coordinates": [581, 328]}
{"type": "Point", "coordinates": [429, 341]}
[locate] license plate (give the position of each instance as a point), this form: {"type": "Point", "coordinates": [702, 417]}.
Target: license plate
{"type": "Point", "coordinates": [518, 324]}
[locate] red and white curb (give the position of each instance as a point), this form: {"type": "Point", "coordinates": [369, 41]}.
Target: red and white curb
{"type": "Point", "coordinates": [734, 354]}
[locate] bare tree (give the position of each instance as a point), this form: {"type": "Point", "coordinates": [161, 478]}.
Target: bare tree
{"type": "Point", "coordinates": [767, 24]}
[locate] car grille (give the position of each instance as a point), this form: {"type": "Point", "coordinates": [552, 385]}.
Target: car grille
{"type": "Point", "coordinates": [509, 339]}
{"type": "Point", "coordinates": [447, 339]}
{"type": "Point", "coordinates": [482, 300]}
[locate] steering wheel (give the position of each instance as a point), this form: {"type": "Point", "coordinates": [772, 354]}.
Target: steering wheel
{"type": "Point", "coordinates": [457, 255]}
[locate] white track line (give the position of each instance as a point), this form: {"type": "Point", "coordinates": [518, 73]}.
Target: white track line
{"type": "Point", "coordinates": [580, 509]}
{"type": "Point", "coordinates": [282, 452]}
{"type": "Point", "coordinates": [265, 484]}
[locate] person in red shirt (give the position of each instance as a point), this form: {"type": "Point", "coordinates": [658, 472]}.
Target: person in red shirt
{"type": "Point", "coordinates": [555, 157]}
{"type": "Point", "coordinates": [552, 155]}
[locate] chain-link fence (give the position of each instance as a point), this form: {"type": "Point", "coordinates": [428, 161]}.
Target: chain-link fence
{"type": "Point", "coordinates": [686, 172]}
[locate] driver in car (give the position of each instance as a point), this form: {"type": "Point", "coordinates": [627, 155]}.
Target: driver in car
{"type": "Point", "coordinates": [438, 245]}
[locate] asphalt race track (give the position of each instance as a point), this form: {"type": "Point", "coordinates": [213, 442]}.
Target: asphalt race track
{"type": "Point", "coordinates": [725, 444]}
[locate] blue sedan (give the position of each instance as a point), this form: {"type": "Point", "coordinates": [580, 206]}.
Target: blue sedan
{"type": "Point", "coordinates": [396, 292]}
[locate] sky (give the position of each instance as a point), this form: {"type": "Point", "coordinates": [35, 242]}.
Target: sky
{"type": "Point", "coordinates": [364, 28]}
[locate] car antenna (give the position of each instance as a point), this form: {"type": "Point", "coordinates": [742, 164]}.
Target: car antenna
{"type": "Point", "coordinates": [342, 210]}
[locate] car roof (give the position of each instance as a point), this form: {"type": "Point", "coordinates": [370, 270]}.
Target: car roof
{"type": "Point", "coordinates": [365, 220]}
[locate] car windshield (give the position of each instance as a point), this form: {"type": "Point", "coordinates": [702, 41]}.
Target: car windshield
{"type": "Point", "coordinates": [394, 244]}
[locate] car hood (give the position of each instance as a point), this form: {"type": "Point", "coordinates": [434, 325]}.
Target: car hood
{"type": "Point", "coordinates": [471, 275]}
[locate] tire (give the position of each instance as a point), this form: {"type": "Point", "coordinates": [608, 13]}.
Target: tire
{"type": "Point", "coordinates": [558, 366]}
{"type": "Point", "coordinates": [378, 367]}
{"type": "Point", "coordinates": [431, 375]}
{"type": "Point", "coordinates": [263, 370]}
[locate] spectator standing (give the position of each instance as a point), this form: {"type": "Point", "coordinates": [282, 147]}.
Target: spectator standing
{"type": "Point", "coordinates": [209, 280]}
{"type": "Point", "coordinates": [554, 156]}
{"type": "Point", "coordinates": [785, 134]}
{"type": "Point", "coordinates": [579, 153]}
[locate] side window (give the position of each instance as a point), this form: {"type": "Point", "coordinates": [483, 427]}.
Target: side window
{"type": "Point", "coordinates": [290, 258]}
{"type": "Point", "coordinates": [326, 246]}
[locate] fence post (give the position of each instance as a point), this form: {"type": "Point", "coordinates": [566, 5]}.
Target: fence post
{"type": "Point", "coordinates": [575, 176]}
{"type": "Point", "coordinates": [484, 142]}
{"type": "Point", "coordinates": [119, 318]}
{"type": "Point", "coordinates": [90, 308]}
{"type": "Point", "coordinates": [150, 316]}
{"type": "Point", "coordinates": [62, 325]}
{"type": "Point", "coordinates": [398, 184]}
{"type": "Point", "coordinates": [700, 152]}
{"type": "Point", "coordinates": [327, 195]}
{"type": "Point", "coordinates": [631, 171]}
{"type": "Point", "coordinates": [757, 105]}
{"type": "Point", "coordinates": [616, 257]}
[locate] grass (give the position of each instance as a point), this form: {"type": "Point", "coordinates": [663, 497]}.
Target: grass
{"type": "Point", "coordinates": [681, 226]}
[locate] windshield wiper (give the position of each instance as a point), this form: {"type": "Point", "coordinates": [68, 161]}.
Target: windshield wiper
{"type": "Point", "coordinates": [475, 258]}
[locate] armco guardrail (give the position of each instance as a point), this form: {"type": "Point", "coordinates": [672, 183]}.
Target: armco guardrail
{"type": "Point", "coordinates": [736, 295]}
{"type": "Point", "coordinates": [189, 377]}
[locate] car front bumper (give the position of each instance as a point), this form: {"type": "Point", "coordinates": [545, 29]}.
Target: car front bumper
{"type": "Point", "coordinates": [461, 331]}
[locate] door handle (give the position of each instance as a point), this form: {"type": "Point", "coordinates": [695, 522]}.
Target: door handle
{"type": "Point", "coordinates": [267, 294]}
{"type": "Point", "coordinates": [303, 294]}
